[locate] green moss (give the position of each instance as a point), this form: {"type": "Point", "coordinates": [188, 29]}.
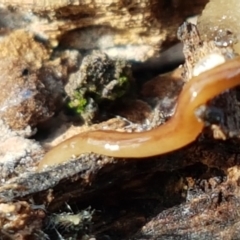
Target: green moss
{"type": "Point", "coordinates": [122, 87]}
{"type": "Point", "coordinates": [122, 80]}
{"type": "Point", "coordinates": [78, 103]}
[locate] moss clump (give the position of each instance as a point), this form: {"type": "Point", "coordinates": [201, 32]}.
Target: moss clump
{"type": "Point", "coordinates": [99, 79]}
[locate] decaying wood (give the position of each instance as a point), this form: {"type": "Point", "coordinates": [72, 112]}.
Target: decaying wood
{"type": "Point", "coordinates": [86, 180]}
{"type": "Point", "coordinates": [190, 193]}
{"type": "Point", "coordinates": [143, 26]}
{"type": "Point", "coordinates": [41, 5]}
